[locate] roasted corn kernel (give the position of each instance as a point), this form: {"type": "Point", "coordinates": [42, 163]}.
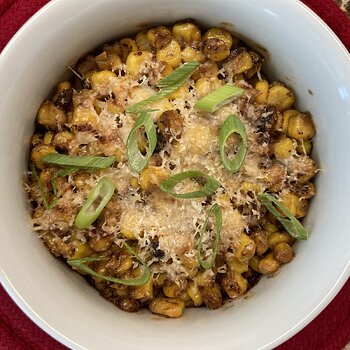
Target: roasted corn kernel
{"type": "Point", "coordinates": [159, 37]}
{"type": "Point", "coordinates": [152, 176]}
{"type": "Point", "coordinates": [268, 264]}
{"type": "Point", "coordinates": [50, 116]}
{"type": "Point", "coordinates": [168, 307]}
{"type": "Point", "coordinates": [170, 54]}
{"type": "Point", "coordinates": [234, 284]}
{"type": "Point", "coordinates": [283, 252]}
{"type": "Point", "coordinates": [280, 97]}
{"type": "Point", "coordinates": [262, 87]}
{"type": "Point", "coordinates": [195, 293]}
{"type": "Point", "coordinates": [187, 33]}
{"type": "Point", "coordinates": [284, 148]}
{"type": "Point", "coordinates": [40, 152]}
{"type": "Point", "coordinates": [301, 127]}
{"type": "Point", "coordinates": [127, 45]}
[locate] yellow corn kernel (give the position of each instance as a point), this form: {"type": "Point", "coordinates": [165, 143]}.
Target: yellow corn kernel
{"type": "Point", "coordinates": [36, 139]}
{"type": "Point", "coordinates": [152, 176]}
{"type": "Point", "coordinates": [102, 82]}
{"type": "Point", "coordinates": [189, 262]}
{"type": "Point", "coordinates": [125, 265]}
{"type": "Point", "coordinates": [304, 147]}
{"type": "Point", "coordinates": [160, 279]}
{"type": "Point", "coordinates": [84, 117]}
{"type": "Point", "coordinates": [234, 284]}
{"type": "Point", "coordinates": [296, 205]}
{"type": "Point", "coordinates": [284, 148]}
{"type": "Point", "coordinates": [47, 138]}
{"type": "Point", "coordinates": [246, 248]}
{"type": "Point", "coordinates": [118, 154]}
{"type": "Point", "coordinates": [108, 61]}
{"type": "Point", "coordinates": [167, 69]}
{"type": "Point", "coordinates": [50, 116]}
{"type": "Point", "coordinates": [205, 86]}
{"type": "Point", "coordinates": [205, 278]}
{"type": "Point", "coordinates": [221, 34]}
{"type": "Point", "coordinates": [262, 87]}
{"type": "Point", "coordinates": [278, 237]}
{"type": "Point", "coordinates": [142, 42]}
{"type": "Point", "coordinates": [144, 292]}
{"type": "Point", "coordinates": [82, 250]}
{"type": "Point", "coordinates": [171, 291]}
{"type": "Point", "coordinates": [223, 200]}
{"type": "Point", "coordinates": [159, 37]}
{"type": "Point", "coordinates": [170, 54]}
{"type": "Point", "coordinates": [136, 61]}
{"type": "Point", "coordinates": [215, 49]}
{"type": "Point", "coordinates": [113, 48]}
{"type": "Point", "coordinates": [270, 228]}
{"type": "Point", "coordinates": [128, 234]}
{"type": "Point", "coordinates": [187, 33]}
{"type": "Point", "coordinates": [268, 264]}
{"type": "Point", "coordinates": [127, 45]}
{"type": "Point", "coordinates": [195, 293]}
{"type": "Point", "coordinates": [64, 85]}
{"type": "Point", "coordinates": [181, 92]}
{"type": "Point", "coordinates": [283, 120]}
{"type": "Point", "coordinates": [207, 69]}
{"type": "Point", "coordinates": [161, 106]}
{"type": "Point", "coordinates": [189, 54]}
{"type": "Point", "coordinates": [240, 63]}
{"type": "Point", "coordinates": [247, 186]}
{"type": "Point", "coordinates": [40, 152]}
{"type": "Point", "coordinates": [283, 252]}
{"type": "Point", "coordinates": [280, 97]}
{"type": "Point", "coordinates": [38, 213]}
{"type": "Point", "coordinates": [45, 177]}
{"type": "Point", "coordinates": [168, 307]}
{"type": "Point", "coordinates": [301, 127]}
{"type": "Point", "coordinates": [120, 290]}
{"type": "Point", "coordinates": [134, 183]}
{"type": "Point", "coordinates": [212, 296]}
{"type": "Point", "coordinates": [235, 265]}
{"type": "Point", "coordinates": [101, 244]}
{"type": "Point", "coordinates": [260, 239]}
{"type": "Point", "coordinates": [254, 263]}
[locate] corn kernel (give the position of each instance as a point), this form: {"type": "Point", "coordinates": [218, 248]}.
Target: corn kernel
{"type": "Point", "coordinates": [170, 54]}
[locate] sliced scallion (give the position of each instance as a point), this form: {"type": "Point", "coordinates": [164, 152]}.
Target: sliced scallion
{"type": "Point", "coordinates": [215, 210]}
{"type": "Point", "coordinates": [233, 125]}
{"type": "Point", "coordinates": [81, 265]}
{"type": "Point", "coordinates": [137, 160]}
{"type": "Point", "coordinates": [66, 171]}
{"type": "Point", "coordinates": [167, 85]}
{"type": "Point", "coordinates": [78, 161]}
{"type": "Point", "coordinates": [210, 186]}
{"type": "Point", "coordinates": [96, 201]}
{"type": "Point", "coordinates": [290, 223]}
{"type": "Point", "coordinates": [217, 99]}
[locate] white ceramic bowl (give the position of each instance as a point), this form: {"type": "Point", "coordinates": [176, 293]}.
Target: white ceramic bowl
{"type": "Point", "coordinates": [303, 52]}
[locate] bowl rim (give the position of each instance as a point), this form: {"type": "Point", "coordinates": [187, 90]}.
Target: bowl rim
{"type": "Point", "coordinates": [61, 338]}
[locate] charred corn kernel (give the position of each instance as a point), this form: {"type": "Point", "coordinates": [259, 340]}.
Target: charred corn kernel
{"type": "Point", "coordinates": [50, 116]}
{"type": "Point", "coordinates": [301, 127]}
{"type": "Point", "coordinates": [84, 117]}
{"type": "Point", "coordinates": [47, 138]}
{"type": "Point", "coordinates": [245, 249]}
{"type": "Point", "coordinates": [100, 244]}
{"type": "Point", "coordinates": [113, 48]}
{"type": "Point", "coordinates": [234, 284]}
{"type": "Point", "coordinates": [221, 34]}
{"type": "Point", "coordinates": [181, 92]}
{"type": "Point", "coordinates": [270, 228]}
{"type": "Point", "coordinates": [216, 49]}
{"type": "Point", "coordinates": [212, 296]}
{"type": "Point", "coordinates": [283, 120]}
{"type": "Point", "coordinates": [128, 234]}
{"type": "Point", "coordinates": [171, 291]}
{"type": "Point", "coordinates": [142, 41]}
{"type": "Point", "coordinates": [195, 293]}
{"type": "Point", "coordinates": [186, 299]}
{"type": "Point", "coordinates": [241, 62]}
{"type": "Point", "coordinates": [254, 263]}
{"type": "Point", "coordinates": [206, 70]}
{"type": "Point", "coordinates": [85, 64]}
{"type": "Point", "coordinates": [120, 290]}
{"type": "Point", "coordinates": [159, 37]}
{"type": "Point", "coordinates": [40, 152]}
{"type": "Point", "coordinates": [190, 262]}
{"type": "Point", "coordinates": [284, 148]}
{"type": "Point", "coordinates": [167, 69]}
{"type": "Point", "coordinates": [205, 278]}
{"type": "Point", "coordinates": [136, 62]}
{"type": "Point", "coordinates": [268, 264]}
{"type": "Point", "coordinates": [168, 307]}
{"type": "Point", "coordinates": [235, 265]}
{"type": "Point", "coordinates": [262, 87]}
{"type": "Point", "coordinates": [45, 177]}
{"type": "Point", "coordinates": [296, 205]}
{"type": "Point", "coordinates": [170, 54]}
{"type": "Point", "coordinates": [118, 154]}
{"type": "Point", "coordinates": [187, 33]}
{"type": "Point", "coordinates": [82, 250]}
{"type": "Point", "coordinates": [152, 176]}
{"type": "Point", "coordinates": [36, 139]}
{"type": "Point", "coordinates": [64, 85]}
{"type": "Point", "coordinates": [189, 54]}
{"type": "Point", "coordinates": [278, 237]}
{"type": "Point", "coordinates": [205, 86]}
{"type": "Point", "coordinates": [247, 186]}
{"type": "Point", "coordinates": [144, 292]}
{"type": "Point", "coordinates": [283, 253]}
{"type": "Point", "coordinates": [160, 279]}
{"type": "Point", "coordinates": [108, 61]}
{"type": "Point", "coordinates": [304, 147]}
{"type": "Point", "coordinates": [280, 97]}
{"type": "Point", "coordinates": [50, 241]}
{"type": "Point", "coordinates": [127, 45]}
{"type": "Point", "coordinates": [38, 213]}
{"type": "Point", "coordinates": [102, 82]}
{"type": "Point", "coordinates": [65, 249]}
{"type": "Point", "coordinates": [260, 239]}
{"type": "Point", "coordinates": [134, 183]}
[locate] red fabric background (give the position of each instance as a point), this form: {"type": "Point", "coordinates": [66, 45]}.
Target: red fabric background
{"type": "Point", "coordinates": [329, 331]}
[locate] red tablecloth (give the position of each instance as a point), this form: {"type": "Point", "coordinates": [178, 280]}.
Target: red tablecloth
{"type": "Point", "coordinates": [329, 331]}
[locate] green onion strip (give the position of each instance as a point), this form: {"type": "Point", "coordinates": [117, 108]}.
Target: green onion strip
{"type": "Point", "coordinates": [219, 98]}
{"type": "Point", "coordinates": [78, 161]}
{"type": "Point", "coordinates": [215, 210]}
{"type": "Point", "coordinates": [99, 196]}
{"type": "Point", "coordinates": [209, 187]}
{"type": "Point", "coordinates": [81, 265]}
{"type": "Point", "coordinates": [290, 223]}
{"type": "Point", "coordinates": [167, 85]}
{"type": "Point", "coordinates": [137, 160]}
{"type": "Point", "coordinates": [233, 125]}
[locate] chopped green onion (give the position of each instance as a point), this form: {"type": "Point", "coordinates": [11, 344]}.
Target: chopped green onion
{"type": "Point", "coordinates": [47, 205]}
{"type": "Point", "coordinates": [167, 85]}
{"type": "Point", "coordinates": [137, 160]}
{"type": "Point", "coordinates": [80, 264]}
{"type": "Point", "coordinates": [209, 187]}
{"type": "Point", "coordinates": [66, 171]}
{"type": "Point", "coordinates": [79, 161]}
{"type": "Point", "coordinates": [233, 125]}
{"type": "Point", "coordinates": [290, 223]}
{"type": "Point", "coordinates": [216, 211]}
{"type": "Point", "coordinates": [217, 99]}
{"type": "Point", "coordinates": [96, 201]}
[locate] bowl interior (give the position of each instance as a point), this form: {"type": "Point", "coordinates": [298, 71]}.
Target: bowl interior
{"type": "Point", "coordinates": [305, 56]}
